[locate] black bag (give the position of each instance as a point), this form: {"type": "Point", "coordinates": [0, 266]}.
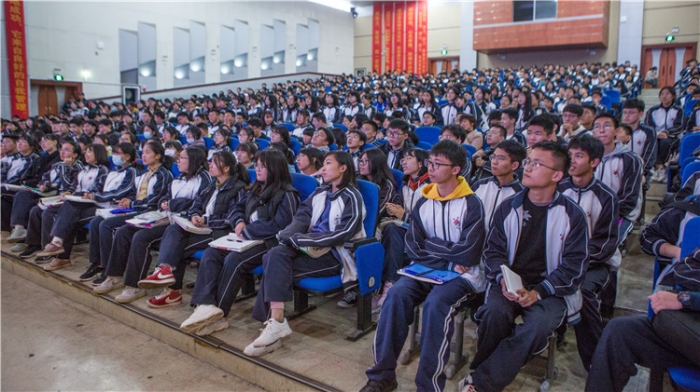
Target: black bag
{"type": "Point", "coordinates": [681, 330]}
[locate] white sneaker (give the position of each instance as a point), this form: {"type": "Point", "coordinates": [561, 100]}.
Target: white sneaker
{"type": "Point", "coordinates": [662, 176]}
{"type": "Point", "coordinates": [110, 283]}
{"type": "Point", "coordinates": [253, 351]}
{"type": "Point", "coordinates": [210, 328]}
{"type": "Point", "coordinates": [273, 331]}
{"type": "Point", "coordinates": [130, 294]}
{"type": "Point", "coordinates": [18, 247]}
{"type": "Point", "coordinates": [203, 315]}
{"type": "Point", "coordinates": [17, 235]}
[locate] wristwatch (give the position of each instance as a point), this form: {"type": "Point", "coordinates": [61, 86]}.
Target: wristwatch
{"type": "Point", "coordinates": [684, 299]}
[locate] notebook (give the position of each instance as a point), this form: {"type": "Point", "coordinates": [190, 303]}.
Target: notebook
{"type": "Point", "coordinates": [513, 280]}
{"type": "Point", "coordinates": [234, 243]}
{"type": "Point", "coordinates": [113, 211]}
{"type": "Point", "coordinates": [79, 199]}
{"type": "Point", "coordinates": [188, 226]}
{"type": "Point", "coordinates": [150, 219]}
{"type": "Point", "coordinates": [17, 188]}
{"type": "Point", "coordinates": [425, 274]}
{"type": "Point", "coordinates": [50, 202]}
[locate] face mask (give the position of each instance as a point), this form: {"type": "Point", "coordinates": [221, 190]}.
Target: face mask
{"type": "Point", "coordinates": [190, 141]}
{"type": "Point", "coordinates": [146, 135]}
{"type": "Point", "coordinates": [170, 153]}
{"type": "Point", "coordinates": [117, 160]}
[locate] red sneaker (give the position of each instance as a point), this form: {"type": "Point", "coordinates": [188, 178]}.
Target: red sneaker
{"type": "Point", "coordinates": [166, 298]}
{"type": "Point", "coordinates": [161, 277]}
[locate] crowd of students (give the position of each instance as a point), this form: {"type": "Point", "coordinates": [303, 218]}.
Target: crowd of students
{"type": "Point", "coordinates": [554, 186]}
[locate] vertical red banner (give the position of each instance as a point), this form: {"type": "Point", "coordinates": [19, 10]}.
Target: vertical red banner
{"type": "Point", "coordinates": [377, 38]}
{"type": "Point", "coordinates": [410, 64]}
{"type": "Point", "coordinates": [17, 56]}
{"type": "Point", "coordinates": [400, 30]}
{"type": "Point", "coordinates": [389, 35]}
{"type": "Point", "coordinates": [422, 38]}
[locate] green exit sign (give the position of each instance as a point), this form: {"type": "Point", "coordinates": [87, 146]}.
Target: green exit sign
{"type": "Point", "coordinates": [444, 51]}
{"type": "Point", "coordinates": [670, 37]}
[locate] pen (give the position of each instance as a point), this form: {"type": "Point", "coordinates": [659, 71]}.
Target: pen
{"type": "Point", "coordinates": [232, 240]}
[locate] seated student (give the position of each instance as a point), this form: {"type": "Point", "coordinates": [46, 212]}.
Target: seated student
{"type": "Point", "coordinates": [256, 125]}
{"type": "Point", "coordinates": [23, 160]}
{"type": "Point", "coordinates": [455, 133]}
{"type": "Point", "coordinates": [508, 118]}
{"type": "Point", "coordinates": [318, 120]}
{"type": "Point", "coordinates": [398, 143]}
{"type": "Point", "coordinates": [600, 204]}
{"type": "Point", "coordinates": [415, 169]}
{"type": "Point", "coordinates": [213, 209]}
{"type": "Point", "coordinates": [245, 135]}
{"type": "Point", "coordinates": [61, 178]}
{"type": "Point", "coordinates": [194, 136]}
{"type": "Point", "coordinates": [128, 137]}
{"type": "Point", "coordinates": [131, 246]}
{"type": "Point", "coordinates": [505, 161]}
{"type": "Point", "coordinates": [9, 153]}
{"type": "Point", "coordinates": [539, 129]}
{"type": "Point", "coordinates": [623, 135]}
{"type": "Point", "coordinates": [356, 142]}
{"type": "Point", "coordinates": [473, 137]}
{"type": "Point", "coordinates": [268, 122]}
{"type": "Point", "coordinates": [330, 109]}
{"type": "Point", "coordinates": [494, 136]}
{"type": "Point", "coordinates": [428, 119]}
{"type": "Point", "coordinates": [431, 242]}
{"type": "Point", "coordinates": [281, 134]}
{"type": "Point", "coordinates": [571, 126]}
{"type": "Point", "coordinates": [245, 152]}
{"type": "Point", "coordinates": [268, 208]}
{"type": "Point", "coordinates": [369, 128]}
{"type": "Point", "coordinates": [543, 237]}
{"type": "Point", "coordinates": [357, 121]}
{"type": "Point", "coordinates": [331, 216]}
{"type": "Point", "coordinates": [373, 168]}
{"type": "Point", "coordinates": [340, 138]}
{"type": "Point", "coordinates": [307, 136]}
{"type": "Point", "coordinates": [151, 185]}
{"type": "Point", "coordinates": [288, 154]}
{"type": "Point", "coordinates": [631, 340]}
{"type": "Point", "coordinates": [222, 141]}
{"type": "Point", "coordinates": [183, 123]}
{"type": "Point", "coordinates": [301, 123]}
{"type": "Point", "coordinates": [91, 177]}
{"type": "Point", "coordinates": [309, 161]}
{"type": "Point", "coordinates": [690, 187]}
{"type": "Point", "coordinates": [667, 121]}
{"type": "Point", "coordinates": [170, 134]}
{"type": "Point", "coordinates": [173, 149]}
{"type": "Point", "coordinates": [347, 121]}
{"type": "Point", "coordinates": [322, 140]}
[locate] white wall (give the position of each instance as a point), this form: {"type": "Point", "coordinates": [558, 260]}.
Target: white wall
{"type": "Point", "coordinates": [629, 42]}
{"type": "Point", "coordinates": [55, 42]}
{"type": "Point", "coordinates": [467, 54]}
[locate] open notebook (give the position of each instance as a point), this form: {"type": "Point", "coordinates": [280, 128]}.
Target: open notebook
{"type": "Point", "coordinates": [234, 243]}
{"type": "Point", "coordinates": [188, 226]}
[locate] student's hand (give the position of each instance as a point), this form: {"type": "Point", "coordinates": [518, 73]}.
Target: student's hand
{"type": "Point", "coordinates": [461, 269]}
{"type": "Point", "coordinates": [197, 221]}
{"type": "Point", "coordinates": [479, 161]}
{"type": "Point", "coordinates": [239, 229]}
{"type": "Point", "coordinates": [696, 128]}
{"type": "Point", "coordinates": [164, 206]}
{"type": "Point", "coordinates": [89, 196]}
{"type": "Point", "coordinates": [395, 210]}
{"type": "Point", "coordinates": [567, 129]}
{"type": "Point", "coordinates": [527, 297]}
{"type": "Point", "coordinates": [504, 290]}
{"type": "Point", "coordinates": [664, 300]}
{"type": "Point", "coordinates": [124, 203]}
{"type": "Point", "coordinates": [662, 135]}
{"type": "Point", "coordinates": [42, 188]}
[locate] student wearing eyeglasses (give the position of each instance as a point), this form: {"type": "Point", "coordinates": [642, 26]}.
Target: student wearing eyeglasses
{"type": "Point", "coordinates": [398, 143]}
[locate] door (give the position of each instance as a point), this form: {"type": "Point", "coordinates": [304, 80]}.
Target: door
{"type": "Point", "coordinates": [48, 100]}
{"type": "Point", "coordinates": [443, 64]}
{"type": "Point", "coordinates": [669, 60]}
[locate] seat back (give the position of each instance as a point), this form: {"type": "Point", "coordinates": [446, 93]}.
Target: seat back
{"type": "Point", "coordinates": [253, 176]}
{"type": "Point", "coordinates": [234, 143]}
{"type": "Point", "coordinates": [398, 178]}
{"type": "Point", "coordinates": [175, 170]}
{"type": "Point", "coordinates": [471, 150]}
{"type": "Point", "coordinates": [370, 195]}
{"type": "Point", "coordinates": [208, 142]}
{"type": "Point", "coordinates": [296, 146]}
{"type": "Point", "coordinates": [688, 144]}
{"type": "Point", "coordinates": [430, 135]}
{"type": "Point", "coordinates": [290, 127]}
{"type": "Point", "coordinates": [424, 145]}
{"type": "Point", "coordinates": [341, 126]}
{"type": "Point", "coordinates": [688, 171]}
{"type": "Point", "coordinates": [304, 184]}
{"type": "Point", "coordinates": [691, 239]}
{"type": "Point", "coordinates": [262, 144]}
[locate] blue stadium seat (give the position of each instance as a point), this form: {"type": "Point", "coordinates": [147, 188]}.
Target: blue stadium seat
{"type": "Point", "coordinates": [290, 127]}
{"type": "Point", "coordinates": [471, 150]}
{"type": "Point", "coordinates": [341, 126]}
{"type": "Point", "coordinates": [424, 145]}
{"type": "Point", "coordinates": [208, 142]}
{"type": "Point", "coordinates": [688, 171]}
{"type": "Point", "coordinates": [234, 143]}
{"type": "Point", "coordinates": [262, 144]}
{"type": "Point", "coordinates": [430, 135]}
{"type": "Point", "coordinates": [398, 178]}
{"type": "Point", "coordinates": [304, 184]}
{"type": "Point", "coordinates": [296, 146]}
{"type": "Point", "coordinates": [688, 144]}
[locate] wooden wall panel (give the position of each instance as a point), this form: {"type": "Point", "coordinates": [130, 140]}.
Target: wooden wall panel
{"type": "Point", "coordinates": [492, 12]}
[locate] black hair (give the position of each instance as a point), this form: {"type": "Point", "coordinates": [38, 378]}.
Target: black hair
{"type": "Point", "coordinates": [453, 152]}
{"type": "Point", "coordinates": [76, 147]}
{"type": "Point", "coordinates": [344, 159]}
{"type": "Point", "coordinates": [319, 116]}
{"type": "Point", "coordinates": [627, 128]}
{"type": "Point", "coordinates": [31, 141]}
{"type": "Point", "coordinates": [378, 116]}
{"type": "Point", "coordinates": [196, 132]}
{"type": "Point", "coordinates": [512, 113]}
{"type": "Point", "coordinates": [339, 137]}
{"type": "Point", "coordinates": [256, 122]}
{"type": "Point", "coordinates": [670, 89]}
{"type": "Point", "coordinates": [315, 156]}
{"type": "Point", "coordinates": [515, 150]}
{"type": "Point", "coordinates": [542, 121]}
{"type": "Point", "coordinates": [225, 158]}
{"type": "Point", "coordinates": [197, 159]}
{"type": "Point", "coordinates": [249, 147]}
{"type": "Point", "coordinates": [158, 149]}
{"type": "Point", "coordinates": [226, 133]}
{"type": "Point", "coordinates": [284, 149]}
{"type": "Point", "coordinates": [559, 153]}
{"type": "Point", "coordinates": [634, 103]}
{"type": "Point", "coordinates": [590, 144]}
{"type": "Point", "coordinates": [590, 107]}
{"type": "Point", "coordinates": [359, 134]}
{"type": "Point", "coordinates": [607, 115]}
{"type": "Point", "coordinates": [573, 108]}
{"type": "Point", "coordinates": [456, 130]}
{"type": "Point", "coordinates": [501, 129]}
{"type": "Point", "coordinates": [176, 144]}
{"type": "Point", "coordinates": [379, 170]}
{"type": "Point", "coordinates": [360, 118]}
{"type": "Point", "coordinates": [494, 115]}
{"type": "Point", "coordinates": [422, 156]}
{"type": "Point", "coordinates": [330, 138]}
{"type": "Point", "coordinates": [284, 134]}
{"type": "Point", "coordinates": [372, 124]}
{"type": "Point", "coordinates": [278, 176]}
{"type": "Point", "coordinates": [401, 125]}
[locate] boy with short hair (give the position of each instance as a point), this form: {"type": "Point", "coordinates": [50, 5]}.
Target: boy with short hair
{"type": "Point", "coordinates": [356, 141]}
{"type": "Point", "coordinates": [540, 129]}
{"type": "Point", "coordinates": [509, 116]}
{"type": "Point", "coordinates": [643, 136]}
{"type": "Point", "coordinates": [446, 232]}
{"type": "Point", "coordinates": [398, 143]}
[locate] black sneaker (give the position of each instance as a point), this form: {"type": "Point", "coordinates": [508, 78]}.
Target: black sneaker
{"type": "Point", "coordinates": [99, 279]}
{"type": "Point", "coordinates": [92, 272]}
{"type": "Point", "coordinates": [349, 300]}
{"type": "Point", "coordinates": [43, 259]}
{"type": "Point", "coordinates": [380, 386]}
{"type": "Point", "coordinates": [30, 251]}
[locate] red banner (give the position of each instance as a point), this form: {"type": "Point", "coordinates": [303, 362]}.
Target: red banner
{"type": "Point", "coordinates": [17, 57]}
{"type": "Point", "coordinates": [422, 38]}
{"type": "Point", "coordinates": [377, 38]}
{"type": "Point", "coordinates": [389, 35]}
{"type": "Point", "coordinates": [410, 37]}
{"type": "Point", "coordinates": [399, 31]}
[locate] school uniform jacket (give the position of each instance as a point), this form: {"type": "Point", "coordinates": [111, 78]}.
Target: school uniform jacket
{"type": "Point", "coordinates": [347, 213]}
{"type": "Point", "coordinates": [90, 178]}
{"type": "Point", "coordinates": [418, 113]}
{"type": "Point", "coordinates": [449, 112]}
{"type": "Point", "coordinates": [566, 247]}
{"type": "Point", "coordinates": [289, 115]}
{"type": "Point", "coordinates": [693, 120]}
{"type": "Point", "coordinates": [492, 194]}
{"type": "Point", "coordinates": [158, 186]}
{"type": "Point", "coordinates": [643, 143]}
{"type": "Point", "coordinates": [394, 157]}
{"type": "Point", "coordinates": [405, 112]}
{"type": "Point", "coordinates": [18, 167]}
{"type": "Point", "coordinates": [61, 177]}
{"type": "Point", "coordinates": [668, 120]}
{"type": "Point", "coordinates": [182, 191]}
{"type": "Point", "coordinates": [350, 110]}
{"type": "Point", "coordinates": [448, 231]}
{"type": "Point", "coordinates": [229, 193]}
{"type": "Point", "coordinates": [332, 113]}
{"type": "Point", "coordinates": [621, 170]}
{"type": "Point", "coordinates": [118, 185]}
{"type": "Point", "coordinates": [691, 187]}
{"type": "Point", "coordinates": [32, 175]}
{"type": "Point", "coordinates": [6, 162]}
{"type": "Point", "coordinates": [411, 196]}
{"type": "Point", "coordinates": [265, 214]}
{"type": "Point", "coordinates": [600, 204]}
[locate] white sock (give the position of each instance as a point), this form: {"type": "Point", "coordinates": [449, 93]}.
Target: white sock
{"type": "Point", "coordinates": [19, 227]}
{"type": "Point", "coordinates": [57, 241]}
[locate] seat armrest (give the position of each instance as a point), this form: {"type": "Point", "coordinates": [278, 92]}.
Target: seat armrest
{"type": "Point", "coordinates": [354, 244]}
